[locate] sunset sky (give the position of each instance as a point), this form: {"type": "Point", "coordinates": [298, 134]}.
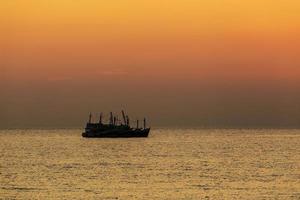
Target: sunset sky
{"type": "Point", "coordinates": [213, 63]}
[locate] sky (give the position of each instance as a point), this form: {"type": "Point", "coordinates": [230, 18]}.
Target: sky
{"type": "Point", "coordinates": [191, 63]}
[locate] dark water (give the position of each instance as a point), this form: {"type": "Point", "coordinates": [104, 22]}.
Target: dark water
{"type": "Point", "coordinates": [170, 164]}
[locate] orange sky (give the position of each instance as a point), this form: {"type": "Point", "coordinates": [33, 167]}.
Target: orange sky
{"type": "Point", "coordinates": [103, 35]}
{"type": "Point", "coordinates": [150, 43]}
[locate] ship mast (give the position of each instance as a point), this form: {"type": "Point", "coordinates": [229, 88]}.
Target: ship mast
{"type": "Point", "coordinates": [111, 118]}
{"type": "Point", "coordinates": [127, 119]}
{"type": "Point", "coordinates": [144, 123]}
{"type": "Point", "coordinates": [100, 119]}
{"type": "Point", "coordinates": [90, 118]}
{"type": "Point", "coordinates": [115, 120]}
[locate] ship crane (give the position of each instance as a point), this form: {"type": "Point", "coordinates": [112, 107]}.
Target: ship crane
{"type": "Point", "coordinates": [124, 118]}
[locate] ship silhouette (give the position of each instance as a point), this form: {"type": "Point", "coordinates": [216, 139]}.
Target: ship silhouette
{"type": "Point", "coordinates": [115, 128]}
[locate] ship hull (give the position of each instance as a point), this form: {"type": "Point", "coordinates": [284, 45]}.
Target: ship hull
{"type": "Point", "coordinates": [117, 133]}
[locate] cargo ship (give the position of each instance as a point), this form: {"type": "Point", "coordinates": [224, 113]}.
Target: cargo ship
{"type": "Point", "coordinates": [114, 128]}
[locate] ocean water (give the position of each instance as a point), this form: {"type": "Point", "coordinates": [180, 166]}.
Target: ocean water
{"type": "Point", "coordinates": [170, 164]}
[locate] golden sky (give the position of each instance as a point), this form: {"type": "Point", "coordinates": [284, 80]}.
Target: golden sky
{"type": "Point", "coordinates": [148, 44]}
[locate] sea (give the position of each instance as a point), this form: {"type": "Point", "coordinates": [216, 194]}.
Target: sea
{"type": "Point", "coordinates": [169, 164]}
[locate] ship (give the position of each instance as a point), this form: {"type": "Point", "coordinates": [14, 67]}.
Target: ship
{"type": "Point", "coordinates": [115, 128]}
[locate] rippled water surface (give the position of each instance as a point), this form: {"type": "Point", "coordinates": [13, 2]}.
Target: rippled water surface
{"type": "Point", "coordinates": [170, 164]}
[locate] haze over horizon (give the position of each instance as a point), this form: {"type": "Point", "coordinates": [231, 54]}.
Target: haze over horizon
{"type": "Point", "coordinates": [218, 63]}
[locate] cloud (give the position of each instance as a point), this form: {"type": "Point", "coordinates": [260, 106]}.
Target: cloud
{"type": "Point", "coordinates": [59, 78]}
{"type": "Point", "coordinates": [113, 72]}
